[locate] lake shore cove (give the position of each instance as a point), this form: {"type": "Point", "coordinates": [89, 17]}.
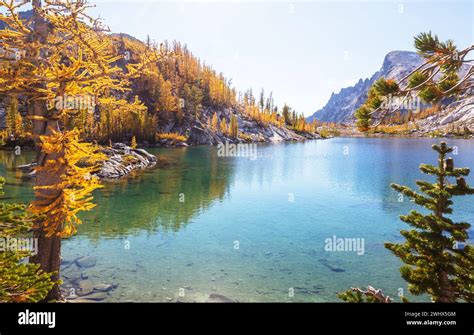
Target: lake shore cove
{"type": "Point", "coordinates": [123, 160]}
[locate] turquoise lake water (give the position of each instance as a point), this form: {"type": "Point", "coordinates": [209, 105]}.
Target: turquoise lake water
{"type": "Point", "coordinates": [253, 230]}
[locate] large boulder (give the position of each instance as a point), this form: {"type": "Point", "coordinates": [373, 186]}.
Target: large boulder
{"type": "Point", "coordinates": [198, 135]}
{"type": "Point", "coordinates": [215, 297]}
{"type": "Point", "coordinates": [86, 262]}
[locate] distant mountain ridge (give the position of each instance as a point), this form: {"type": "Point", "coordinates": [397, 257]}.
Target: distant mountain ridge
{"type": "Point", "coordinates": [341, 106]}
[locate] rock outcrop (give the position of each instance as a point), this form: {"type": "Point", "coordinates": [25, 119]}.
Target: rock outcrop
{"type": "Point", "coordinates": [199, 132]}
{"type": "Point", "coordinates": [457, 119]}
{"type": "Point", "coordinates": [122, 160]}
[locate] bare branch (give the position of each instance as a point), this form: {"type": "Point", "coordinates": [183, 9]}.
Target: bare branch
{"type": "Point", "coordinates": [372, 292]}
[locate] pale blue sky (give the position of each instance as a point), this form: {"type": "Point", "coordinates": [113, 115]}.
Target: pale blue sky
{"type": "Point", "coordinates": [302, 51]}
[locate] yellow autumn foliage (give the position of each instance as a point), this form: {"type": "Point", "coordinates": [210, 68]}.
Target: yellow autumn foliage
{"type": "Point", "coordinates": [171, 136]}
{"type": "Point", "coordinates": [58, 205]}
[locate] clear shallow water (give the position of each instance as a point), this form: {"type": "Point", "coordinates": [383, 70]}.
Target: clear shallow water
{"type": "Point", "coordinates": [190, 246]}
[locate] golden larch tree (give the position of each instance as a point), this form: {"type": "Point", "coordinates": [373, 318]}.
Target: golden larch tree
{"type": "Point", "coordinates": [59, 52]}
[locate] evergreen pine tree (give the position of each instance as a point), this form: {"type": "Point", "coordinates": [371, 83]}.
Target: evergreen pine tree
{"type": "Point", "coordinates": [19, 282]}
{"type": "Point", "coordinates": [437, 261]}
{"type": "Point", "coordinates": [261, 102]}
{"type": "Point", "coordinates": [286, 114]}
{"type": "Point", "coordinates": [437, 78]}
{"type": "Point", "coordinates": [363, 118]}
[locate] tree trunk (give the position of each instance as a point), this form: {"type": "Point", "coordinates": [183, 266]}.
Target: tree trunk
{"type": "Point", "coordinates": [49, 248]}
{"type": "Point", "coordinates": [447, 294]}
{"type": "Point", "coordinates": [49, 259]}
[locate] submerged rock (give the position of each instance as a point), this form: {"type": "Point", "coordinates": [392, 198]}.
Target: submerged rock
{"type": "Point", "coordinates": [185, 300]}
{"type": "Point", "coordinates": [101, 287]}
{"type": "Point", "coordinates": [86, 262]}
{"type": "Point", "coordinates": [71, 273]}
{"type": "Point", "coordinates": [85, 288]}
{"type": "Point", "coordinates": [331, 267]}
{"type": "Point", "coordinates": [99, 296]}
{"type": "Point", "coordinates": [66, 262]}
{"type": "Point", "coordinates": [215, 297]}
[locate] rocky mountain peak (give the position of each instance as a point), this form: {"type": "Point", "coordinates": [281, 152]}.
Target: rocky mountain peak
{"type": "Point", "coordinates": [341, 106]}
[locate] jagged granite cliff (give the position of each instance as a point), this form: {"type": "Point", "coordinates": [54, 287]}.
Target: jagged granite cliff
{"type": "Point", "coordinates": [341, 106]}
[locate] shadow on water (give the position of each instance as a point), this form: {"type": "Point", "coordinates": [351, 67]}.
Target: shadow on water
{"type": "Point", "coordinates": [166, 198]}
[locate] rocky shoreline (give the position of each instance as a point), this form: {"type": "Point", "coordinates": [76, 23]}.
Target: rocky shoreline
{"type": "Point", "coordinates": [199, 132]}
{"type": "Point", "coordinates": [414, 134]}
{"type": "Point", "coordinates": [250, 132]}
{"type": "Point", "coordinates": [123, 160]}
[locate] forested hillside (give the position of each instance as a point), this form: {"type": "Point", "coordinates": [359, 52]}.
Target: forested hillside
{"type": "Point", "coordinates": [174, 99]}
